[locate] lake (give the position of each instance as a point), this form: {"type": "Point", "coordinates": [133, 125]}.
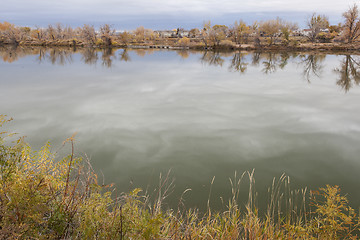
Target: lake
{"type": "Point", "coordinates": [142, 112]}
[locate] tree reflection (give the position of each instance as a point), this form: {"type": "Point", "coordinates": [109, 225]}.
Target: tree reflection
{"type": "Point", "coordinates": [312, 65]}
{"type": "Point", "coordinates": [284, 58]}
{"type": "Point", "coordinates": [42, 55]}
{"type": "Point", "coordinates": [107, 57]}
{"type": "Point", "coordinates": [89, 56]}
{"type": "Point", "coordinates": [256, 57]}
{"type": "Point", "coordinates": [183, 53]}
{"type": "Point", "coordinates": [212, 58]}
{"type": "Point", "coordinates": [124, 56]}
{"type": "Point", "coordinates": [238, 62]}
{"type": "Point", "coordinates": [349, 73]}
{"type": "Point", "coordinates": [270, 63]}
{"type": "Point", "coordinates": [60, 56]}
{"type": "Point", "coordinates": [9, 53]}
{"type": "Point", "coordinates": [273, 61]}
{"type": "Point", "coordinates": [12, 53]}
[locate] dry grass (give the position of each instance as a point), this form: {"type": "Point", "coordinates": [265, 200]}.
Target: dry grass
{"type": "Point", "coordinates": [41, 198]}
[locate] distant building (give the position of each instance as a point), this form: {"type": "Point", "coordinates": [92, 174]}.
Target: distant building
{"type": "Point", "coordinates": [183, 33]}
{"type": "Point", "coordinates": [308, 32]}
{"type": "Point", "coordinates": [325, 30]}
{"type": "Point", "coordinates": [305, 32]}
{"type": "Point", "coordinates": [173, 33]}
{"type": "Point", "coordinates": [166, 33]}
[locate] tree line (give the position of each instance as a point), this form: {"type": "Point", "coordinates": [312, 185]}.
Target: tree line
{"type": "Point", "coordinates": [348, 71]}
{"type": "Point", "coordinates": [271, 32]}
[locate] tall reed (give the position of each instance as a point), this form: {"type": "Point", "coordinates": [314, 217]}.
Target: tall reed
{"type": "Point", "coordinates": [45, 198]}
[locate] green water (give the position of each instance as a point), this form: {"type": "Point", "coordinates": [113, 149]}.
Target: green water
{"type": "Point", "coordinates": [139, 113]}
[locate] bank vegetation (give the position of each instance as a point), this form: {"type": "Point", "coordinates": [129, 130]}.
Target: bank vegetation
{"type": "Point", "coordinates": [44, 197]}
{"type": "Point", "coordinates": [271, 34]}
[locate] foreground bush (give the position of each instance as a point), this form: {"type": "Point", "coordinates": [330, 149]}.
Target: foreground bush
{"type": "Point", "coordinates": [44, 198]}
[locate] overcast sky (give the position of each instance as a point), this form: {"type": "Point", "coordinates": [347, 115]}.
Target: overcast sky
{"type": "Point", "coordinates": [160, 14]}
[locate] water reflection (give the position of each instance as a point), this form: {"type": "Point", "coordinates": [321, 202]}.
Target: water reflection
{"type": "Point", "coordinates": [13, 53]}
{"type": "Point", "coordinates": [267, 62]}
{"type": "Point", "coordinates": [59, 56]}
{"type": "Point", "coordinates": [184, 54]}
{"type": "Point", "coordinates": [273, 61]}
{"type": "Point", "coordinates": [124, 55]}
{"type": "Point", "coordinates": [255, 60]}
{"type": "Point", "coordinates": [90, 56]}
{"type": "Point", "coordinates": [142, 52]}
{"type": "Point", "coordinates": [349, 72]}
{"type": "Point", "coordinates": [212, 58]}
{"type": "Point", "coordinates": [312, 64]}
{"type": "Point", "coordinates": [238, 62]}
{"type": "Point", "coordinates": [107, 57]}
{"type": "Point", "coordinates": [201, 114]}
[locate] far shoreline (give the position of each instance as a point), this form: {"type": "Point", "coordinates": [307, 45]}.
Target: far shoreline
{"type": "Point", "coordinates": [326, 48]}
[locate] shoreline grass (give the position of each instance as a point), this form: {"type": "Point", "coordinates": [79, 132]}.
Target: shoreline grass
{"type": "Point", "coordinates": [43, 198]}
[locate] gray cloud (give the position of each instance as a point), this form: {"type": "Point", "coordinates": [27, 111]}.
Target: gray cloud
{"type": "Point", "coordinates": [121, 11]}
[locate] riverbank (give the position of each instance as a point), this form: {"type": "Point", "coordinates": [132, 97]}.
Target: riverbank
{"type": "Point", "coordinates": [338, 49]}
{"type": "Point", "coordinates": [47, 197]}
{"type": "Point", "coordinates": [335, 47]}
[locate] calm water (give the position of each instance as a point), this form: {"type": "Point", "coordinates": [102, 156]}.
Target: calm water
{"type": "Point", "coordinates": [201, 114]}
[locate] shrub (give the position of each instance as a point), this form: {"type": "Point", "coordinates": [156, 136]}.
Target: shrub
{"type": "Point", "coordinates": [227, 44]}
{"type": "Point", "coordinates": [326, 37]}
{"type": "Point", "coordinates": [45, 198]}
{"type": "Point", "coordinates": [184, 42]}
{"type": "Point", "coordinates": [99, 42]}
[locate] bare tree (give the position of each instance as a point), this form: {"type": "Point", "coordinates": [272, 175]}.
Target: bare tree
{"type": "Point", "coordinates": [218, 33]}
{"type": "Point", "coordinates": [69, 33]}
{"type": "Point", "coordinates": [59, 31]}
{"type": "Point", "coordinates": [271, 28]}
{"type": "Point", "coordinates": [139, 34]}
{"type": "Point", "coordinates": [24, 33]}
{"type": "Point", "coordinates": [352, 23]}
{"type": "Point", "coordinates": [39, 33]}
{"type": "Point", "coordinates": [10, 33]}
{"type": "Point", "coordinates": [276, 27]}
{"type": "Point", "coordinates": [88, 34]}
{"type": "Point", "coordinates": [106, 34]}
{"type": "Point", "coordinates": [124, 38]}
{"type": "Point", "coordinates": [51, 32]}
{"type": "Point", "coordinates": [205, 33]}
{"type": "Point", "coordinates": [239, 31]}
{"type": "Point", "coordinates": [194, 33]}
{"type": "Point", "coordinates": [316, 23]}
{"type": "Point", "coordinates": [287, 28]}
